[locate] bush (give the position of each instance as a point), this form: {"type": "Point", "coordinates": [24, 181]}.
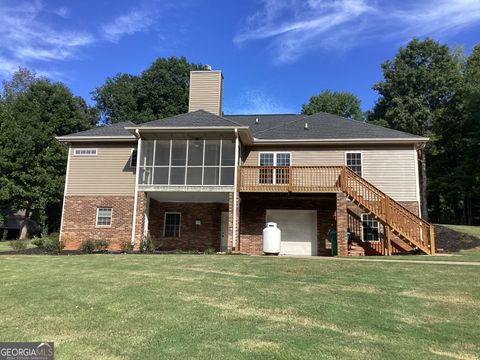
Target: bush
{"type": "Point", "coordinates": [19, 245]}
{"type": "Point", "coordinates": [210, 251]}
{"type": "Point", "coordinates": [53, 245]}
{"type": "Point", "coordinates": [101, 245]}
{"type": "Point", "coordinates": [147, 245]}
{"type": "Point", "coordinates": [87, 246]}
{"type": "Point", "coordinates": [126, 246]}
{"type": "Point", "coordinates": [37, 241]}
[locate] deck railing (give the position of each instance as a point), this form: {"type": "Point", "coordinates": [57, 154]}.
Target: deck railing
{"type": "Point", "coordinates": [340, 179]}
{"type": "Point", "coordinates": [289, 178]}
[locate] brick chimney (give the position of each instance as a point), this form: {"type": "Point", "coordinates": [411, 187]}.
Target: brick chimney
{"type": "Point", "coordinates": [206, 91]}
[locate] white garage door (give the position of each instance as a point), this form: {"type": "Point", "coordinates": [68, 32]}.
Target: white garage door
{"type": "Point", "coordinates": [299, 230]}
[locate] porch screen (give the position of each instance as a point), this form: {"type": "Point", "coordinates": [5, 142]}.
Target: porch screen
{"type": "Point", "coordinates": [192, 161]}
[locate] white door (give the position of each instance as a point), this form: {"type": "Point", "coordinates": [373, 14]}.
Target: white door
{"type": "Point", "coordinates": [299, 230]}
{"type": "Point", "coordinates": [224, 232]}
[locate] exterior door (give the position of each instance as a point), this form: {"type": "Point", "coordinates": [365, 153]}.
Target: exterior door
{"type": "Point", "coordinates": [299, 230]}
{"type": "Point", "coordinates": [224, 231]}
{"type": "Point", "coordinates": [272, 173]}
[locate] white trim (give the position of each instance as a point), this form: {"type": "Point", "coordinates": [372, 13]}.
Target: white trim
{"type": "Point", "coordinates": [95, 138]}
{"type": "Point", "coordinates": [65, 192]}
{"type": "Point", "coordinates": [165, 224]}
{"type": "Point", "coordinates": [234, 225]}
{"type": "Point", "coordinates": [378, 228]}
{"type": "Point", "coordinates": [135, 195]}
{"type": "Point", "coordinates": [111, 217]}
{"type": "Point", "coordinates": [340, 141]}
{"type": "Point", "coordinates": [85, 149]}
{"type": "Point", "coordinates": [361, 159]}
{"type": "Point", "coordinates": [417, 182]}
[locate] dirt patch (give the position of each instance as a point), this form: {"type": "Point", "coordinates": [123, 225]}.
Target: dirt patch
{"type": "Point", "coordinates": [450, 241]}
{"type": "Point", "coordinates": [257, 345]}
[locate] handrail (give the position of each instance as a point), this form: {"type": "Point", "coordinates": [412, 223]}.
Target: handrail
{"type": "Point", "coordinates": [314, 178]}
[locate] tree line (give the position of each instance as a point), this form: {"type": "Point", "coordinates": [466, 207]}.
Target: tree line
{"type": "Point", "coordinates": [427, 89]}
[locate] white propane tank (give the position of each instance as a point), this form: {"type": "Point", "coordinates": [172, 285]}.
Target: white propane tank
{"type": "Point", "coordinates": [271, 239]}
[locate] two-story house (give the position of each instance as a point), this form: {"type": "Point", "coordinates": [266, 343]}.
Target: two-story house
{"type": "Point", "coordinates": [208, 180]}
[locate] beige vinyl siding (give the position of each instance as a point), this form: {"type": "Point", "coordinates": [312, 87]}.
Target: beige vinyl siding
{"type": "Point", "coordinates": [107, 173]}
{"type": "Point", "coordinates": [390, 168]}
{"type": "Point", "coordinates": [206, 91]}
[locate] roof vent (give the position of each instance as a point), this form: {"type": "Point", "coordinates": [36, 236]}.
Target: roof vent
{"type": "Point", "coordinates": [306, 126]}
{"type": "Point", "coordinates": [256, 120]}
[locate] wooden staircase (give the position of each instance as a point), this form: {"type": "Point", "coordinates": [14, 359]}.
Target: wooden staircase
{"type": "Point", "coordinates": [409, 228]}
{"type": "Point", "coordinates": [396, 218]}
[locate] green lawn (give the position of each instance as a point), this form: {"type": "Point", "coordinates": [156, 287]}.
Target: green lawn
{"type": "Point", "coordinates": [467, 229]}
{"type": "Point", "coordinates": [224, 307]}
{"type": "Point", "coordinates": [5, 246]}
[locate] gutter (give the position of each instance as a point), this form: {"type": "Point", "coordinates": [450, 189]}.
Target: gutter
{"type": "Point", "coordinates": [67, 139]}
{"type": "Point", "coordinates": [341, 141]}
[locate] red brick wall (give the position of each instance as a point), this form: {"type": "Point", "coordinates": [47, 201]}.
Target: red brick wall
{"type": "Point", "coordinates": [253, 217]}
{"type": "Point", "coordinates": [79, 220]}
{"type": "Point", "coordinates": [192, 237]}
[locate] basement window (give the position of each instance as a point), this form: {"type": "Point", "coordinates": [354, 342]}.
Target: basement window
{"type": "Point", "coordinates": [370, 232]}
{"type": "Point", "coordinates": [104, 216]}
{"type": "Point", "coordinates": [85, 152]}
{"type": "Point", "coordinates": [354, 161]}
{"type": "Point", "coordinates": [172, 224]}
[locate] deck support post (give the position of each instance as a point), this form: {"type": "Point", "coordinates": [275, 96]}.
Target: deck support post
{"type": "Point", "coordinates": [387, 240]}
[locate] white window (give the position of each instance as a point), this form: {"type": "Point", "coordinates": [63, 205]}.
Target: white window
{"type": "Point", "coordinates": [370, 231]}
{"type": "Point", "coordinates": [172, 224]}
{"type": "Point", "coordinates": [133, 158]}
{"type": "Point", "coordinates": [274, 175]}
{"type": "Point", "coordinates": [85, 152]}
{"type": "Point", "coordinates": [354, 161]}
{"type": "Point", "coordinates": [104, 216]}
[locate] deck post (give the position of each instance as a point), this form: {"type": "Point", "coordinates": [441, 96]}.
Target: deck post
{"type": "Point", "coordinates": [388, 241]}
{"type": "Point", "coordinates": [432, 240]}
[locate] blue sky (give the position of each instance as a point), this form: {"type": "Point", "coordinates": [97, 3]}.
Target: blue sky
{"type": "Point", "coordinates": [274, 53]}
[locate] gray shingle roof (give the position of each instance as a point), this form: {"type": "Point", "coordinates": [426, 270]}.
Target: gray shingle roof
{"type": "Point", "coordinates": [264, 121]}
{"type": "Point", "coordinates": [117, 129]}
{"type": "Point", "coordinates": [199, 118]}
{"type": "Point", "coordinates": [321, 126]}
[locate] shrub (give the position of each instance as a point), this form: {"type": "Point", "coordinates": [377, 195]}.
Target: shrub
{"type": "Point", "coordinates": [209, 251]}
{"type": "Point", "coordinates": [87, 246]}
{"type": "Point", "coordinates": [37, 241]}
{"type": "Point", "coordinates": [147, 245]}
{"type": "Point", "coordinates": [53, 245]}
{"type": "Point", "coordinates": [18, 245]}
{"type": "Point", "coordinates": [126, 246]}
{"type": "Point", "coordinates": [100, 245]}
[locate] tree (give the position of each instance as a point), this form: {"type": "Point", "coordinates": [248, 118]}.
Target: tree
{"type": "Point", "coordinates": [19, 83]}
{"type": "Point", "coordinates": [160, 91]}
{"type": "Point", "coordinates": [33, 162]}
{"type": "Point", "coordinates": [343, 104]}
{"type": "Point", "coordinates": [418, 88]}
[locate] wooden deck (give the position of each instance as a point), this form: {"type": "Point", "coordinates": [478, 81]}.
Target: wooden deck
{"type": "Point", "coordinates": [394, 216]}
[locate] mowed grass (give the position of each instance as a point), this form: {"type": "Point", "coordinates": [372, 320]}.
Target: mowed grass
{"type": "Point", "coordinates": [5, 245]}
{"type": "Point", "coordinates": [240, 307]}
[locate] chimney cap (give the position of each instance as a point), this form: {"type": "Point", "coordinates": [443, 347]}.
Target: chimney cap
{"type": "Point", "coordinates": [208, 67]}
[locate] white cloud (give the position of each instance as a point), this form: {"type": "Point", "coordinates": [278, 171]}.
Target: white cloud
{"type": "Point", "coordinates": [256, 101]}
{"type": "Point", "coordinates": [293, 28]}
{"type": "Point", "coordinates": [137, 20]}
{"type": "Point", "coordinates": [26, 37]}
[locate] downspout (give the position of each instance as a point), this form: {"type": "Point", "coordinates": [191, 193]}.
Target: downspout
{"type": "Point", "coordinates": [235, 200]}
{"type": "Point", "coordinates": [135, 197]}
{"type": "Point", "coordinates": [65, 192]}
